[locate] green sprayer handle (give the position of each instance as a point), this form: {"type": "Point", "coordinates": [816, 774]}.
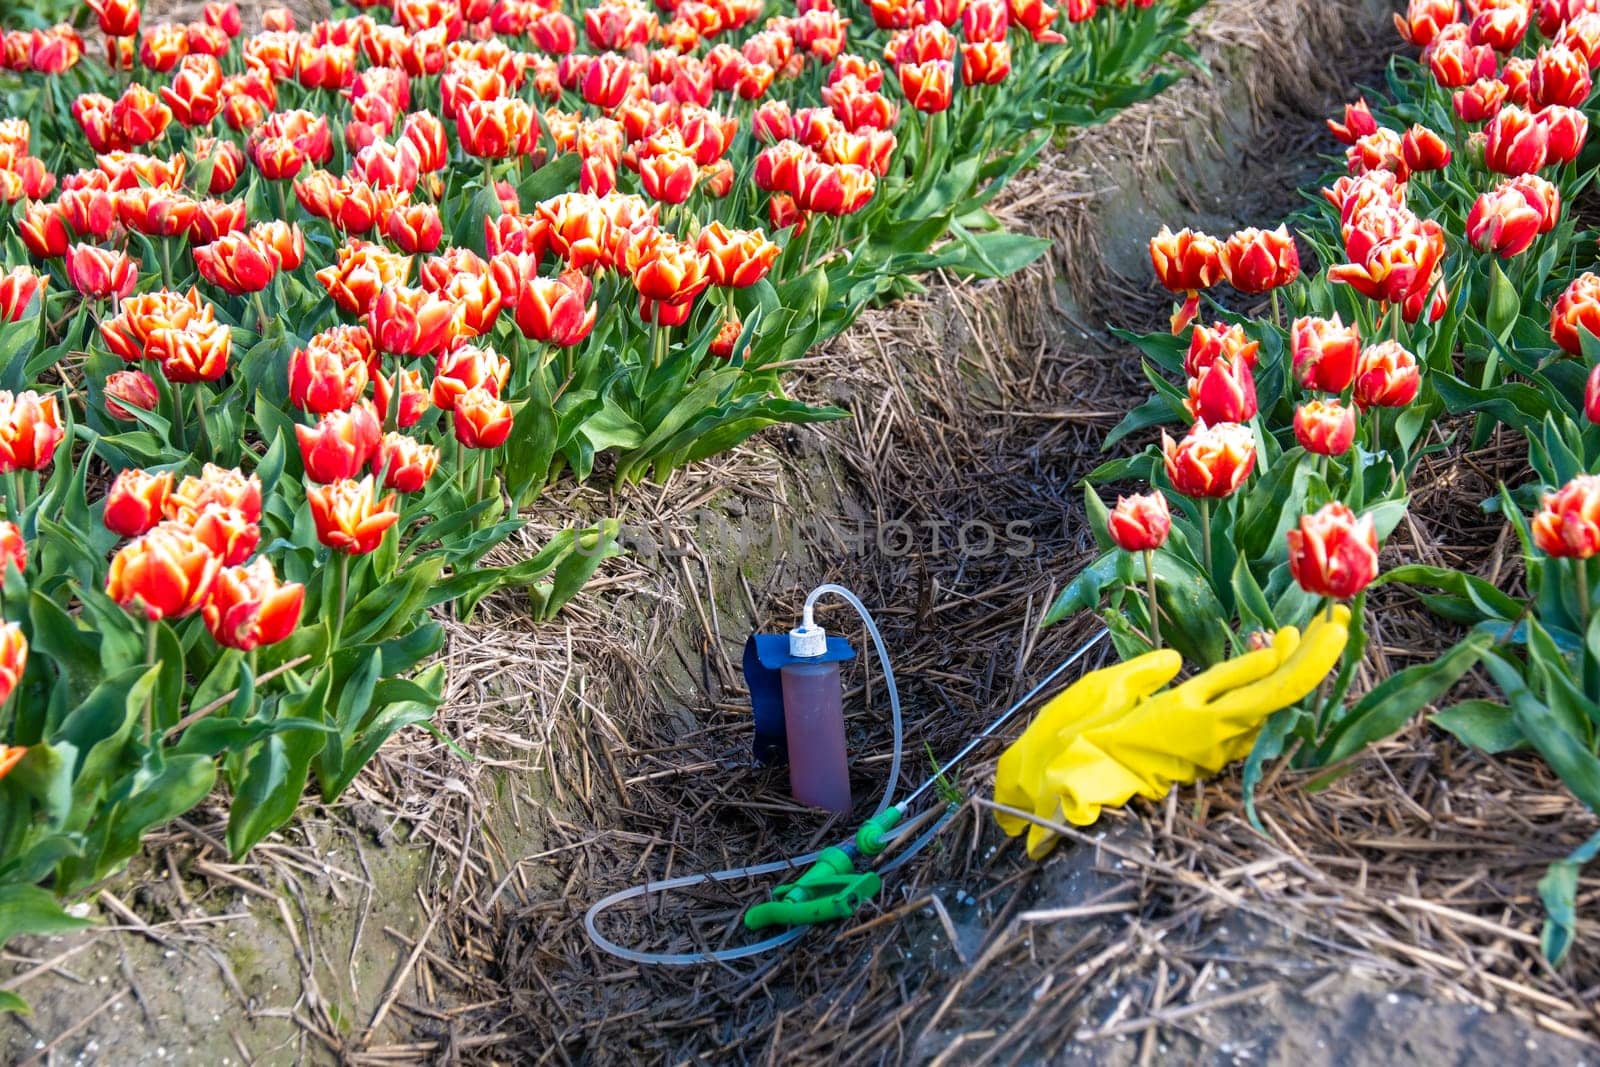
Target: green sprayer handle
{"type": "Point", "coordinates": [830, 889]}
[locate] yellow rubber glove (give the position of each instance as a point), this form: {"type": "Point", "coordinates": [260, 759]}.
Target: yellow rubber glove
{"type": "Point", "coordinates": [1076, 757]}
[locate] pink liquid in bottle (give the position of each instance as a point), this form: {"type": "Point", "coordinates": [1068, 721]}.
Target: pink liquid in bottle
{"type": "Point", "coordinates": [813, 713]}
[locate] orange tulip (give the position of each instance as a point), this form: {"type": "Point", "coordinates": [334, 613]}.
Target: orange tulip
{"type": "Point", "coordinates": [405, 463]}
{"type": "Point", "coordinates": [117, 18]}
{"type": "Point", "coordinates": [414, 228]}
{"type": "Point", "coordinates": [1333, 553]}
{"type": "Point", "coordinates": [1140, 523]}
{"type": "Point", "coordinates": [727, 336]}
{"type": "Point", "coordinates": [1255, 261]}
{"type": "Point", "coordinates": [340, 444]}
{"type": "Point", "coordinates": [668, 271]}
{"type": "Point", "coordinates": [227, 532]}
{"type": "Point", "coordinates": [556, 310]}
{"type": "Point", "coordinates": [283, 239]}
{"type": "Point", "coordinates": [30, 430]}
{"type": "Point", "coordinates": [1210, 462]}
{"type": "Point", "coordinates": [156, 212]}
{"type": "Point", "coordinates": [736, 258]}
{"type": "Point", "coordinates": [163, 46]}
{"type": "Point", "coordinates": [1325, 427]}
{"type": "Point", "coordinates": [195, 95]}
{"type": "Point", "coordinates": [1567, 524]}
{"type": "Point", "coordinates": [197, 353]}
{"type": "Point", "coordinates": [1424, 150]}
{"type": "Point", "coordinates": [1425, 18]}
{"type": "Point", "coordinates": [13, 663]}
{"type": "Point", "coordinates": [1357, 123]}
{"type": "Point", "coordinates": [495, 129]}
{"type": "Point", "coordinates": [833, 189]}
{"type": "Point", "coordinates": [137, 501]}
{"type": "Point", "coordinates": [481, 419]}
{"type": "Point", "coordinates": [43, 229]}
{"type": "Point", "coordinates": [249, 607]}
{"type": "Point", "coordinates": [166, 574]}
{"type": "Point", "coordinates": [347, 516]}
{"type": "Point", "coordinates": [360, 273]}
{"type": "Point", "coordinates": [1186, 261]}
{"type": "Point", "coordinates": [214, 219]}
{"type": "Point", "coordinates": [668, 175]}
{"type": "Point", "coordinates": [1207, 344]}
{"type": "Point", "coordinates": [139, 115]}
{"type": "Point", "coordinates": [217, 485]}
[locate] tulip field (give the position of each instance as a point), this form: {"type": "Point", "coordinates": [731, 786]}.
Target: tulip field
{"type": "Point", "coordinates": [307, 325]}
{"type": "Point", "coordinates": [298, 318]}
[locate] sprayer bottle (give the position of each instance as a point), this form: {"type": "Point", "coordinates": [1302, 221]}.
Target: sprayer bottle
{"type": "Point", "coordinates": [813, 711]}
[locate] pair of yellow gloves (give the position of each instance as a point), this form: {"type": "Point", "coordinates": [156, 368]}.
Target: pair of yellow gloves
{"type": "Point", "coordinates": [1112, 736]}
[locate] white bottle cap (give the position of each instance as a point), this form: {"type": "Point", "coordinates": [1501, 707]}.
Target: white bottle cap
{"type": "Point", "coordinates": [808, 641]}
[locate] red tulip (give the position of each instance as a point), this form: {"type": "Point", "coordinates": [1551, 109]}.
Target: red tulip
{"type": "Point", "coordinates": [1577, 309]}
{"type": "Point", "coordinates": [340, 444]}
{"type": "Point", "coordinates": [1565, 129]}
{"type": "Point", "coordinates": [1517, 142]}
{"type": "Point", "coordinates": [1333, 553]}
{"type": "Point", "coordinates": [166, 574]}
{"type": "Point", "coordinates": [1325, 353]}
{"type": "Point", "coordinates": [556, 310]}
{"type": "Point", "coordinates": [414, 399]}
{"type": "Point", "coordinates": [1454, 61]}
{"type": "Point", "coordinates": [1503, 221]}
{"type": "Point", "coordinates": [1140, 523]}
{"type": "Point", "coordinates": [1186, 261]}
{"type": "Point", "coordinates": [248, 607]}
{"type": "Point", "coordinates": [126, 389]}
{"type": "Point", "coordinates": [1560, 76]}
{"type": "Point", "coordinates": [405, 463]}
{"type": "Point", "coordinates": [1325, 427]}
{"type": "Point", "coordinates": [1210, 462]}
{"type": "Point", "coordinates": [469, 367]}
{"type": "Point", "coordinates": [1424, 150]}
{"type": "Point", "coordinates": [18, 287]}
{"type": "Point", "coordinates": [324, 378]}
{"type": "Point", "coordinates": [481, 419]}
{"type": "Point", "coordinates": [43, 230]}
{"type": "Point", "coordinates": [13, 663]}
{"type": "Point", "coordinates": [231, 536]}
{"type": "Point", "coordinates": [1425, 18]}
{"type": "Point", "coordinates": [236, 263]}
{"type": "Point", "coordinates": [1225, 391]}
{"type": "Point", "coordinates": [117, 18]}
{"type": "Point", "coordinates": [1358, 122]}
{"type": "Point", "coordinates": [137, 501]}
{"type": "Point", "coordinates": [927, 85]}
{"type": "Point", "coordinates": [1207, 344]}
{"type": "Point", "coordinates": [414, 228]}
{"type": "Point", "coordinates": [1387, 377]}
{"type": "Point", "coordinates": [98, 272]}
{"type": "Point", "coordinates": [409, 322]}
{"type": "Point", "coordinates": [1591, 396]}
{"type": "Point", "coordinates": [30, 430]}
{"type": "Point", "coordinates": [361, 272]}
{"type": "Point", "coordinates": [197, 353]}
{"type": "Point", "coordinates": [347, 516]}
{"type": "Point", "coordinates": [13, 551]}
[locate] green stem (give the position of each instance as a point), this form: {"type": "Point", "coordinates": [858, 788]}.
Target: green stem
{"type": "Point", "coordinates": [1277, 313]}
{"type": "Point", "coordinates": [19, 499]}
{"type": "Point", "coordinates": [151, 634]}
{"type": "Point", "coordinates": [1150, 594]}
{"type": "Point", "coordinates": [483, 463]}
{"type": "Point", "coordinates": [460, 475]}
{"type": "Point", "coordinates": [261, 313]}
{"type": "Point", "coordinates": [344, 592]}
{"type": "Point", "coordinates": [1205, 535]}
{"type": "Point", "coordinates": [166, 262]}
{"type": "Point", "coordinates": [655, 341]}
{"type": "Point", "coordinates": [1584, 609]}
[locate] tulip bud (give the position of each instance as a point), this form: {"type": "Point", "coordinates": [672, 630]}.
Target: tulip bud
{"type": "Point", "coordinates": [727, 336]}
{"type": "Point", "coordinates": [1333, 553]}
{"type": "Point", "coordinates": [1358, 123]}
{"type": "Point", "coordinates": [1325, 427]}
{"type": "Point", "coordinates": [1567, 524]}
{"type": "Point", "coordinates": [137, 501]}
{"type": "Point", "coordinates": [166, 574]}
{"type": "Point", "coordinates": [347, 516]}
{"type": "Point", "coordinates": [248, 607]}
{"type": "Point", "coordinates": [1256, 261]}
{"type": "Point", "coordinates": [1140, 523]}
{"type": "Point", "coordinates": [1386, 377]}
{"type": "Point", "coordinates": [98, 272]}
{"type": "Point", "coordinates": [1210, 462]}
{"type": "Point", "coordinates": [1325, 353]}
{"type": "Point", "coordinates": [1207, 344]}
{"type": "Point", "coordinates": [340, 444]}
